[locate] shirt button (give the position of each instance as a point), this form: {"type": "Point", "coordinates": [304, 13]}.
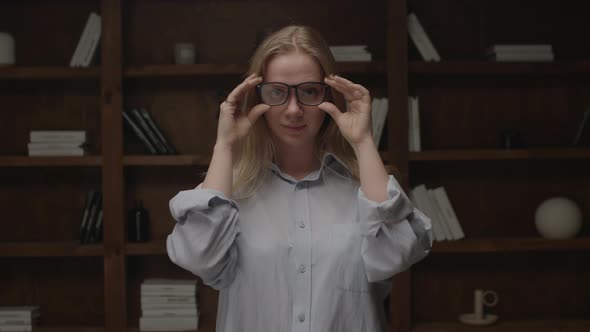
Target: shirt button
{"type": "Point", "coordinates": [301, 317]}
{"type": "Point", "coordinates": [301, 224]}
{"type": "Point", "coordinates": [301, 268]}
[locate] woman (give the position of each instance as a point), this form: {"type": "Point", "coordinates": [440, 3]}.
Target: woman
{"type": "Point", "coordinates": [297, 222]}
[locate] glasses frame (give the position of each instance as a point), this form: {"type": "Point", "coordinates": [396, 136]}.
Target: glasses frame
{"type": "Point", "coordinates": [293, 86]}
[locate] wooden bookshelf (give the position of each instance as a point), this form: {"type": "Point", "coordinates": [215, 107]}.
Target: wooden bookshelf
{"type": "Point", "coordinates": [506, 326]}
{"type": "Point", "coordinates": [508, 245]}
{"type": "Point", "coordinates": [26, 161]}
{"type": "Point", "coordinates": [49, 249]}
{"type": "Point", "coordinates": [501, 154]}
{"type": "Point", "coordinates": [48, 73]}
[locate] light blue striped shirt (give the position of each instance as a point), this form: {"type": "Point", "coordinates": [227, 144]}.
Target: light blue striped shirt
{"type": "Point", "coordinates": [310, 255]}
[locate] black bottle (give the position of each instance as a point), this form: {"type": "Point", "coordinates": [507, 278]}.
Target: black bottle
{"type": "Point", "coordinates": [137, 223]}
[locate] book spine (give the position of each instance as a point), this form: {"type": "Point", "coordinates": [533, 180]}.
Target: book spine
{"type": "Point", "coordinates": [169, 147]}
{"type": "Point", "coordinates": [151, 135]}
{"type": "Point", "coordinates": [421, 39]}
{"type": "Point", "coordinates": [96, 207]}
{"type": "Point", "coordinates": [46, 136]}
{"type": "Point", "coordinates": [137, 131]}
{"type": "Point", "coordinates": [75, 60]}
{"type": "Point", "coordinates": [93, 40]}
{"type": "Point", "coordinates": [56, 152]}
{"type": "Point", "coordinates": [16, 328]}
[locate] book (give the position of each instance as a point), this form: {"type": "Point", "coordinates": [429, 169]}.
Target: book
{"type": "Point", "coordinates": [55, 145]}
{"type": "Point", "coordinates": [47, 136]}
{"type": "Point", "coordinates": [419, 196]}
{"type": "Point", "coordinates": [92, 218]}
{"type": "Point", "coordinates": [75, 61]}
{"type": "Point", "coordinates": [582, 137]}
{"type": "Point", "coordinates": [148, 131]}
{"type": "Point", "coordinates": [90, 198]}
{"type": "Point", "coordinates": [165, 285]}
{"type": "Point", "coordinates": [56, 152]}
{"type": "Point", "coordinates": [16, 328]}
{"type": "Point", "coordinates": [139, 133]}
{"type": "Point", "coordinates": [414, 141]}
{"type": "Point", "coordinates": [169, 312]}
{"type": "Point", "coordinates": [26, 311]}
{"type": "Point", "coordinates": [172, 299]}
{"type": "Point", "coordinates": [421, 39]}
{"type": "Point", "coordinates": [97, 233]}
{"type": "Point", "coordinates": [520, 48]}
{"type": "Point", "coordinates": [90, 46]}
{"type": "Point", "coordinates": [440, 217]}
{"type": "Point", "coordinates": [516, 57]}
{"type": "Point", "coordinates": [449, 212]}
{"type": "Point", "coordinates": [168, 323]}
{"type": "Point", "coordinates": [152, 124]}
{"type": "Point", "coordinates": [379, 110]}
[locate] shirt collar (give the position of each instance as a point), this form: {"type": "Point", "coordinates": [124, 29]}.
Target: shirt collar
{"type": "Point", "coordinates": [329, 162]}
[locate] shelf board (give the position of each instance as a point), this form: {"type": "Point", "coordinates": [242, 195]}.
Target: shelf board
{"type": "Point", "coordinates": [26, 161]}
{"type": "Point", "coordinates": [375, 67]}
{"type": "Point", "coordinates": [489, 245]}
{"type": "Point", "coordinates": [509, 326]}
{"type": "Point", "coordinates": [50, 249]}
{"type": "Point", "coordinates": [501, 154]}
{"type": "Point", "coordinates": [146, 248]}
{"type": "Point", "coordinates": [166, 160]}
{"type": "Point", "coordinates": [483, 67]}
{"type": "Point", "coordinates": [48, 73]}
{"type": "Point", "coordinates": [68, 329]}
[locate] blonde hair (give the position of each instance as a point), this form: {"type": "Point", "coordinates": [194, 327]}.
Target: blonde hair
{"type": "Point", "coordinates": [256, 152]}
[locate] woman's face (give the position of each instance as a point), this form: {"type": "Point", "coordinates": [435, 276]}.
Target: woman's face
{"type": "Point", "coordinates": [294, 124]}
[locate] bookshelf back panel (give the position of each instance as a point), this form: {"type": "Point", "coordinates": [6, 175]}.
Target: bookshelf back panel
{"type": "Point", "coordinates": [474, 113]}
{"type": "Point", "coordinates": [45, 32]}
{"type": "Point", "coordinates": [48, 105]}
{"type": "Point", "coordinates": [464, 29]}
{"type": "Point", "coordinates": [69, 291]}
{"type": "Point", "coordinates": [544, 286]}
{"type": "Point", "coordinates": [224, 31]}
{"type": "Point", "coordinates": [44, 204]}
{"type": "Point", "coordinates": [141, 268]}
{"type": "Point", "coordinates": [499, 198]}
{"type": "Point", "coordinates": [156, 186]}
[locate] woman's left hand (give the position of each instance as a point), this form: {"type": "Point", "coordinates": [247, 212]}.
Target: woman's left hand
{"type": "Point", "coordinates": [355, 122]}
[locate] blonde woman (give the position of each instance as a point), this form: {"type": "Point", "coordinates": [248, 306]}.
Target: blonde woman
{"type": "Point", "coordinates": [297, 222]}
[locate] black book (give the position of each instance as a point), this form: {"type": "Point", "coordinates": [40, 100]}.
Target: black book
{"type": "Point", "coordinates": [152, 124]}
{"type": "Point", "coordinates": [90, 197]}
{"type": "Point", "coordinates": [137, 131]}
{"type": "Point", "coordinates": [96, 207]}
{"type": "Point", "coordinates": [97, 233]}
{"type": "Point", "coordinates": [582, 137]}
{"type": "Point", "coordinates": [147, 129]}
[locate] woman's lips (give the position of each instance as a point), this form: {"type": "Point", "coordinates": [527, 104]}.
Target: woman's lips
{"type": "Point", "coordinates": [294, 128]}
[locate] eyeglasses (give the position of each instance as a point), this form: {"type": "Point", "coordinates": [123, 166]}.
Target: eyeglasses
{"type": "Point", "coordinates": [307, 93]}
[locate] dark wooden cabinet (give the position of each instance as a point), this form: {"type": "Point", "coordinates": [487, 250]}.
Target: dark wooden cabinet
{"type": "Point", "coordinates": [465, 102]}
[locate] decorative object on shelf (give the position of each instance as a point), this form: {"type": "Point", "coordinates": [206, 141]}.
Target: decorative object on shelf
{"type": "Point", "coordinates": [137, 223]}
{"type": "Point", "coordinates": [7, 56]}
{"type": "Point", "coordinates": [512, 139]}
{"type": "Point", "coordinates": [184, 53]}
{"type": "Point", "coordinates": [558, 218]}
{"type": "Point", "coordinates": [481, 298]}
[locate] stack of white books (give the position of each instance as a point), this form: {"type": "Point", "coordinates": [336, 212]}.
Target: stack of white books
{"type": "Point", "coordinates": [88, 42]}
{"type": "Point", "coordinates": [57, 142]}
{"type": "Point", "coordinates": [379, 109]}
{"type": "Point", "coordinates": [352, 53]}
{"type": "Point", "coordinates": [18, 318]}
{"type": "Point", "coordinates": [435, 204]}
{"type": "Point", "coordinates": [521, 52]}
{"type": "Point", "coordinates": [169, 305]}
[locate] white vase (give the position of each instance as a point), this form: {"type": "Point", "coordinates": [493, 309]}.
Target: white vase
{"type": "Point", "coordinates": [558, 218]}
{"type": "Point", "coordinates": [6, 49]}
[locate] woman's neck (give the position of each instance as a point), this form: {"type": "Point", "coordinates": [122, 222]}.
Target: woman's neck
{"type": "Point", "coordinates": [298, 162]}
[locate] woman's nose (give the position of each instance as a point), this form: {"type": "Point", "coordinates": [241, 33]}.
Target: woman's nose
{"type": "Point", "coordinates": [293, 106]}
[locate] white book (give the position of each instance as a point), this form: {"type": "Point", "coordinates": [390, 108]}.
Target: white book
{"type": "Point", "coordinates": [16, 328]}
{"type": "Point", "coordinates": [163, 284]}
{"type": "Point", "coordinates": [169, 312]}
{"type": "Point", "coordinates": [419, 196]}
{"type": "Point", "coordinates": [93, 40]}
{"type": "Point", "coordinates": [520, 48]}
{"type": "Point", "coordinates": [449, 212]}
{"type": "Point", "coordinates": [413, 125]}
{"type": "Point", "coordinates": [517, 57]}
{"type": "Point", "coordinates": [56, 152]}
{"type": "Point", "coordinates": [168, 324]}
{"type": "Point", "coordinates": [168, 300]}
{"type": "Point", "coordinates": [341, 49]}
{"type": "Point", "coordinates": [380, 119]}
{"type": "Point", "coordinates": [54, 145]}
{"type": "Point", "coordinates": [421, 39]}
{"type": "Point", "coordinates": [57, 136]}
{"type": "Point", "coordinates": [17, 320]}
{"type": "Point", "coordinates": [19, 311]}
{"type": "Point", "coordinates": [356, 57]}
{"type": "Point", "coordinates": [173, 306]}
{"type": "Point", "coordinates": [437, 209]}
{"type": "Point", "coordinates": [169, 292]}
{"type": "Point", "coordinates": [76, 56]}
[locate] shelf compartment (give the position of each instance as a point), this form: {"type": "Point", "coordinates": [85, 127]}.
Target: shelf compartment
{"type": "Point", "coordinates": [166, 160]}
{"type": "Point", "coordinates": [509, 326]}
{"type": "Point", "coordinates": [146, 248]}
{"type": "Point", "coordinates": [50, 249]}
{"type": "Point", "coordinates": [375, 68]}
{"type": "Point", "coordinates": [501, 154]}
{"type": "Point", "coordinates": [26, 161]}
{"type": "Point", "coordinates": [510, 245]}
{"type": "Point", "coordinates": [492, 68]}
{"type": "Point", "coordinates": [48, 73]}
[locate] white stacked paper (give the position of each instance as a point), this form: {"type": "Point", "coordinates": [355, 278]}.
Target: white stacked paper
{"type": "Point", "coordinates": [57, 143]}
{"type": "Point", "coordinates": [169, 305]}
{"type": "Point", "coordinates": [521, 52]}
{"type": "Point", "coordinates": [18, 318]}
{"type": "Point", "coordinates": [352, 53]}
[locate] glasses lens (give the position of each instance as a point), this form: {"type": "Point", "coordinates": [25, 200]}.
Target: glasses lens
{"type": "Point", "coordinates": [311, 93]}
{"type": "Point", "coordinates": [274, 93]}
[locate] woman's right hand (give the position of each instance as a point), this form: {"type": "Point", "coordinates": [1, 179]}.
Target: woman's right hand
{"type": "Point", "coordinates": [233, 123]}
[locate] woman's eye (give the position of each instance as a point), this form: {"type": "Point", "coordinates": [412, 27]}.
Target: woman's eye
{"type": "Point", "coordinates": [277, 92]}
{"type": "Point", "coordinates": [310, 92]}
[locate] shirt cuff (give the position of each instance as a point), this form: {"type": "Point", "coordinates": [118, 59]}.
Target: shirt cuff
{"type": "Point", "coordinates": [197, 199]}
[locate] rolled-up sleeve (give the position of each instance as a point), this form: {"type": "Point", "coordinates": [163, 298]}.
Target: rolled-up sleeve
{"type": "Point", "coordinates": [203, 238]}
{"type": "Point", "coordinates": [396, 234]}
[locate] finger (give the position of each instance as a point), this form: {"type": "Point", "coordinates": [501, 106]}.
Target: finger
{"type": "Point", "coordinates": [342, 88]}
{"type": "Point", "coordinates": [238, 92]}
{"type": "Point", "coordinates": [330, 109]}
{"type": "Point", "coordinates": [256, 112]}
{"type": "Point", "coordinates": [356, 90]}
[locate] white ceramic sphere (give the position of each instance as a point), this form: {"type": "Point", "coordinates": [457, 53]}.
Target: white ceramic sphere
{"type": "Point", "coordinates": [6, 49]}
{"type": "Point", "coordinates": [558, 218]}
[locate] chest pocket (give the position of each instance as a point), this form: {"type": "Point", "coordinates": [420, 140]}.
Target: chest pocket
{"type": "Point", "coordinates": [348, 266]}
